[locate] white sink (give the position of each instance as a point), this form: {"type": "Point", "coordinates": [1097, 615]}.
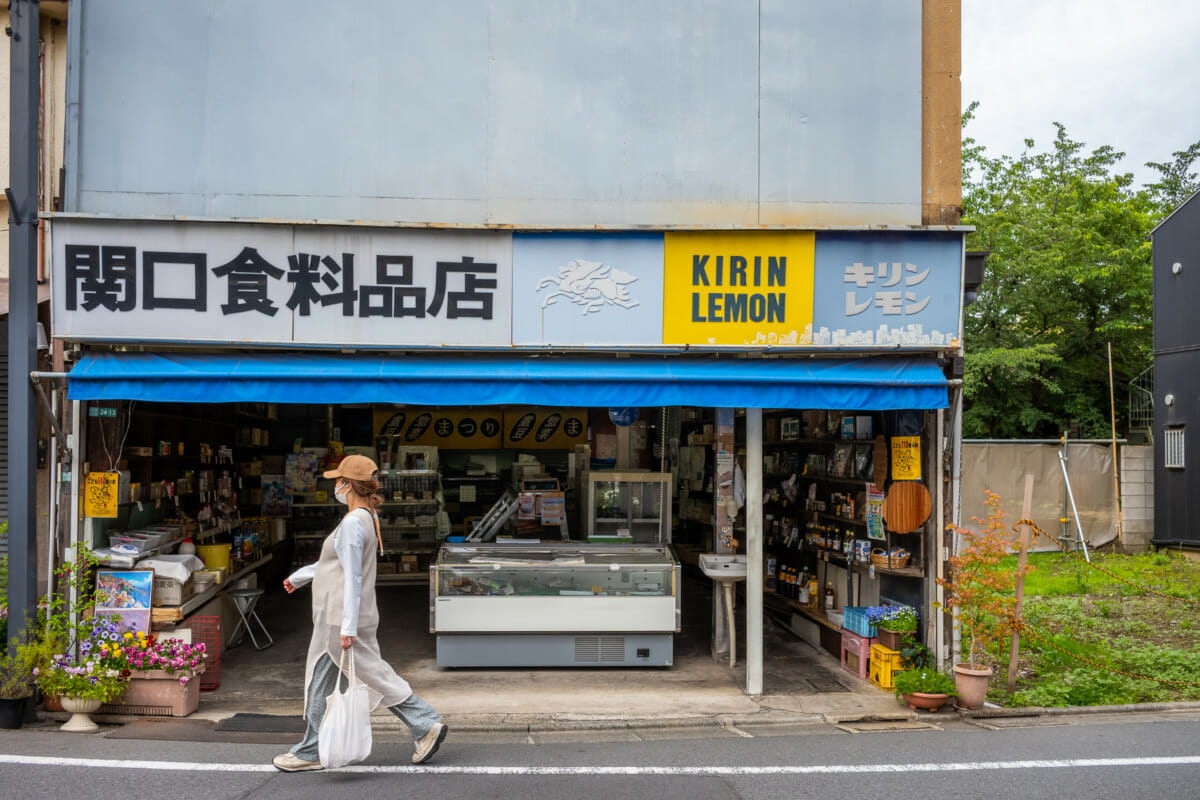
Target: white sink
{"type": "Point", "coordinates": [723, 569]}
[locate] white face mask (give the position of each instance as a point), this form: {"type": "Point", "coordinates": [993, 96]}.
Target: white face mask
{"type": "Point", "coordinates": [342, 496]}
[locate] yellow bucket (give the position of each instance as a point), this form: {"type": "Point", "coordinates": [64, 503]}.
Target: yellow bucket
{"type": "Point", "coordinates": [214, 556]}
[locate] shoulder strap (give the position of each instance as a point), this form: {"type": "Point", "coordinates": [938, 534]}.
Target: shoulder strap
{"type": "Point", "coordinates": [375, 519]}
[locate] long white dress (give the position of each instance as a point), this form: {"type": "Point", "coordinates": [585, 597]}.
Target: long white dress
{"type": "Point", "coordinates": [353, 541]}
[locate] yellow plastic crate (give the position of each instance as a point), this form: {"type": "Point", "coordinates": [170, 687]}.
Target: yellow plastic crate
{"type": "Point", "coordinates": [885, 663]}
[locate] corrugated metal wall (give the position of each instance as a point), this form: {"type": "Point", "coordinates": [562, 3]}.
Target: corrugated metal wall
{"type": "Point", "coordinates": [620, 113]}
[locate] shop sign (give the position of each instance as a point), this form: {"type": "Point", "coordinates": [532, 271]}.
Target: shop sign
{"type": "Point", "coordinates": [246, 283]}
{"type": "Point", "coordinates": [446, 429]}
{"type": "Point", "coordinates": [281, 284]}
{"type": "Point", "coordinates": [887, 289]}
{"type": "Point", "coordinates": [737, 288]}
{"type": "Point", "coordinates": [544, 428]}
{"type": "Point", "coordinates": [580, 289]}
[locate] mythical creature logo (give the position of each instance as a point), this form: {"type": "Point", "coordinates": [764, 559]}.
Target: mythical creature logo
{"type": "Point", "coordinates": [590, 284]}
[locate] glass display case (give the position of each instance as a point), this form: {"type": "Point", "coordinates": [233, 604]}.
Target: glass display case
{"type": "Point", "coordinates": [628, 507]}
{"type": "Point", "coordinates": [515, 604]}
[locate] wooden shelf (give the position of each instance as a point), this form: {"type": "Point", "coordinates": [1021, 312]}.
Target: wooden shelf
{"type": "Point", "coordinates": [811, 442]}
{"type": "Point", "coordinates": [171, 614]}
{"type": "Point", "coordinates": [862, 523]}
{"type": "Point", "coordinates": [816, 616]}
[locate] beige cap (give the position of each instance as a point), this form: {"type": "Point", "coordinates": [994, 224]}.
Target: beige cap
{"type": "Point", "coordinates": [356, 468]}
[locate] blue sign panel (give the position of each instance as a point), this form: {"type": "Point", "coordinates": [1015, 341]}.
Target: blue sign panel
{"type": "Point", "coordinates": [887, 290]}
{"type": "Point", "coordinates": [587, 289]}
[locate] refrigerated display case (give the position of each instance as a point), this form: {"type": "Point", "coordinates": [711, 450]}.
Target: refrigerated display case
{"type": "Point", "coordinates": [600, 605]}
{"type": "Point", "coordinates": [628, 507]}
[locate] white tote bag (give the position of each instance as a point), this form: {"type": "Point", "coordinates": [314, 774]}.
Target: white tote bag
{"type": "Point", "coordinates": [345, 735]}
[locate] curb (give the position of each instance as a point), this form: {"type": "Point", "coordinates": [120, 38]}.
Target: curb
{"type": "Point", "coordinates": [1042, 711]}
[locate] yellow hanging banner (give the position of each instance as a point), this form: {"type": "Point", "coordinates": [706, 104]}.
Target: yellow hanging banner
{"type": "Point", "coordinates": [738, 288]}
{"type": "Point", "coordinates": [101, 494]}
{"type": "Point", "coordinates": [906, 458]}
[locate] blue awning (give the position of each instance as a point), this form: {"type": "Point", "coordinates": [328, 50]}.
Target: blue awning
{"type": "Point", "coordinates": [869, 384]}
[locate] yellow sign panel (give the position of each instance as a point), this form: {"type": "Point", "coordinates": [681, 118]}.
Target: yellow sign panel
{"type": "Point", "coordinates": [101, 494]}
{"type": "Point", "coordinates": [906, 458]}
{"type": "Point", "coordinates": [738, 288]}
{"type": "Point", "coordinates": [544, 428]}
{"type": "Point", "coordinates": [457, 429]}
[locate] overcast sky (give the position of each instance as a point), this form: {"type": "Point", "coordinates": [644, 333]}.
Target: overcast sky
{"type": "Point", "coordinates": [1115, 72]}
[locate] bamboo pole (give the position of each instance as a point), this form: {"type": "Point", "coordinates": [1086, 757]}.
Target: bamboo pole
{"type": "Point", "coordinates": [1112, 404]}
{"type": "Point", "coordinates": [1022, 557]}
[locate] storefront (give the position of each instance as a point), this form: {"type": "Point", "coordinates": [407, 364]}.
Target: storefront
{"type": "Point", "coordinates": [648, 395]}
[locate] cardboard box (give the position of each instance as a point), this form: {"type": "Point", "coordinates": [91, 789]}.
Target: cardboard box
{"type": "Point", "coordinates": [385, 568]}
{"type": "Point", "coordinates": [408, 563]}
{"type": "Point", "coordinates": [170, 592]}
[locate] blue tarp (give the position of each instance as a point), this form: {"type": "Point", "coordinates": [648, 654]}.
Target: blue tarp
{"type": "Point", "coordinates": [868, 384]}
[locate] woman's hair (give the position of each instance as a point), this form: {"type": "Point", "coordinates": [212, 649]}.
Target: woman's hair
{"type": "Point", "coordinates": [367, 489]}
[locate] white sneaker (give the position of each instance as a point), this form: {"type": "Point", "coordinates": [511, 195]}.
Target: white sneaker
{"type": "Point", "coordinates": [428, 744]}
{"type": "Point", "coordinates": [290, 762]}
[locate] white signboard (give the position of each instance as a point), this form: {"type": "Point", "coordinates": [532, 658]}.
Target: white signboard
{"type": "Point", "coordinates": [286, 284]}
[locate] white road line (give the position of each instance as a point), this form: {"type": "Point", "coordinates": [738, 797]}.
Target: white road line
{"type": "Point", "coordinates": [787, 769]}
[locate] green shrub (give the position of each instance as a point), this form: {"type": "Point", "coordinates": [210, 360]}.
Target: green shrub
{"type": "Point", "coordinates": [926, 681]}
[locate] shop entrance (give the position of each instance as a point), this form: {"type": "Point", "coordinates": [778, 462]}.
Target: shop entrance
{"type": "Point", "coordinates": [246, 475]}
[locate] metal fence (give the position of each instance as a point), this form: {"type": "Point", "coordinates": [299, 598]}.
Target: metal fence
{"type": "Point", "coordinates": [1001, 465]}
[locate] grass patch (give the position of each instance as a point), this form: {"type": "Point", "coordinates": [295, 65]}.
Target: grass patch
{"type": "Point", "coordinates": [1083, 618]}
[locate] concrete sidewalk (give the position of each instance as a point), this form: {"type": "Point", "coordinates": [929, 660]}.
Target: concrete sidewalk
{"type": "Point", "coordinates": [801, 684]}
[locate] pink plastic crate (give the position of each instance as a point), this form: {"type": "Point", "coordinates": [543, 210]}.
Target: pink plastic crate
{"type": "Point", "coordinates": [856, 653]}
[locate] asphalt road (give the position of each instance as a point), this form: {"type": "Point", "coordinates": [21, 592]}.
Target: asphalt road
{"type": "Point", "coordinates": [1120, 756]}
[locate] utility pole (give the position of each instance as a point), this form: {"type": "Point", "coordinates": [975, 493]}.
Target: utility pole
{"type": "Point", "coordinates": [22, 196]}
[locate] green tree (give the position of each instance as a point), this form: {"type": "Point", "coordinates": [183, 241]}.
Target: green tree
{"type": "Point", "coordinates": [1068, 272]}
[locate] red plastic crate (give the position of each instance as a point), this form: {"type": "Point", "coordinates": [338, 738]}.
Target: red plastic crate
{"type": "Point", "coordinates": [208, 631]}
{"type": "Point", "coordinates": [856, 653]}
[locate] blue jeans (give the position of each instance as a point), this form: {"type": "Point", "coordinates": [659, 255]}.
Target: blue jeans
{"type": "Point", "coordinates": [414, 712]}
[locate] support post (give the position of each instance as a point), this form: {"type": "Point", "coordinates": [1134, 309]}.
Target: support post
{"type": "Point", "coordinates": [22, 195]}
{"type": "Point", "coordinates": [1022, 558]}
{"type": "Point", "coordinates": [754, 552]}
{"type": "Point", "coordinates": [723, 542]}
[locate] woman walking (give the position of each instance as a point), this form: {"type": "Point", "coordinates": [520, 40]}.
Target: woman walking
{"type": "Point", "coordinates": [345, 615]}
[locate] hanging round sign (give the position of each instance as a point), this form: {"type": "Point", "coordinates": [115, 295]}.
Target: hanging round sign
{"type": "Point", "coordinates": [623, 416]}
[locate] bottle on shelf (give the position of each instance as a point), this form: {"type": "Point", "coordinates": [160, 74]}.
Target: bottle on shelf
{"type": "Point", "coordinates": [830, 597]}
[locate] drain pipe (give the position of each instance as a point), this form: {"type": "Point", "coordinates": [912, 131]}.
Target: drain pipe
{"type": "Point", "coordinates": [956, 521]}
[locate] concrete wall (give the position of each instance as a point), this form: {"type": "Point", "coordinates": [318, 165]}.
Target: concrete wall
{"type": "Point", "coordinates": [1137, 496]}
{"type": "Point", "coordinates": [708, 113]}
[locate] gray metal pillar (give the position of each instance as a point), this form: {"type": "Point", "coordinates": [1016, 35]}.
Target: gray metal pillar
{"type": "Point", "coordinates": [22, 313]}
{"type": "Point", "coordinates": [754, 552]}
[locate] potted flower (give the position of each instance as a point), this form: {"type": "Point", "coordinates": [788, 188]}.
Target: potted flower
{"type": "Point", "coordinates": [83, 683]}
{"type": "Point", "coordinates": [893, 623]}
{"type": "Point", "coordinates": [924, 688]}
{"type": "Point", "coordinates": [17, 666]}
{"type": "Point", "coordinates": [982, 596]}
{"type": "Point", "coordinates": [163, 673]}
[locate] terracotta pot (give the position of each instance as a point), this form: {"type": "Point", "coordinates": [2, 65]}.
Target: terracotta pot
{"type": "Point", "coordinates": [929, 702]}
{"type": "Point", "coordinates": [52, 702]}
{"type": "Point", "coordinates": [971, 681]}
{"type": "Point", "coordinates": [80, 708]}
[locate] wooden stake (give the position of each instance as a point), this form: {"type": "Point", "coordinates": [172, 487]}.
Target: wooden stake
{"type": "Point", "coordinates": [1022, 557]}
{"type": "Point", "coordinates": [1112, 404]}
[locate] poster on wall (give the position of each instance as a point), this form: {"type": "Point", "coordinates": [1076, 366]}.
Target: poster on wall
{"type": "Point", "coordinates": [126, 596]}
{"type": "Point", "coordinates": [101, 494]}
{"type": "Point", "coordinates": [875, 513]}
{"type": "Point", "coordinates": [906, 458]}
{"type": "Point", "coordinates": [276, 502]}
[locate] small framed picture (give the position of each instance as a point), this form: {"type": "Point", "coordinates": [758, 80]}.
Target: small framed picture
{"type": "Point", "coordinates": [127, 595]}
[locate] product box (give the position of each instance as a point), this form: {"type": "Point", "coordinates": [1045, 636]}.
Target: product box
{"type": "Point", "coordinates": [408, 563]}
{"type": "Point", "coordinates": [863, 427]}
{"type": "Point", "coordinates": [385, 568]}
{"type": "Point", "coordinates": [170, 592]}
{"type": "Point", "coordinates": [139, 451]}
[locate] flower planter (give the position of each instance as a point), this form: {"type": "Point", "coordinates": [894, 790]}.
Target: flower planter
{"type": "Point", "coordinates": [154, 693]}
{"type": "Point", "coordinates": [891, 639]}
{"type": "Point", "coordinates": [12, 713]}
{"type": "Point", "coordinates": [971, 683]}
{"type": "Point", "coordinates": [80, 708]}
{"type": "Point", "coordinates": [928, 702]}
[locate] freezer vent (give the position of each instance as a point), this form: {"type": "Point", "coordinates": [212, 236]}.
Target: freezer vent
{"type": "Point", "coordinates": [599, 649]}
